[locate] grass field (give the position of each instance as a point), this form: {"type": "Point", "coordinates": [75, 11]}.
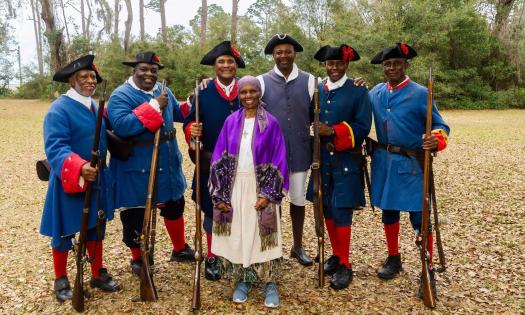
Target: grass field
{"type": "Point", "coordinates": [480, 183]}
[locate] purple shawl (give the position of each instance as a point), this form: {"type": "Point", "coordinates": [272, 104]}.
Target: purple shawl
{"type": "Point", "coordinates": [271, 171]}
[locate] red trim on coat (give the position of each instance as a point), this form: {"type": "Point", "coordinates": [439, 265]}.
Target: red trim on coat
{"type": "Point", "coordinates": [441, 136]}
{"type": "Point", "coordinates": [233, 93]}
{"type": "Point", "coordinates": [148, 116]}
{"type": "Point", "coordinates": [185, 109]}
{"type": "Point", "coordinates": [187, 132]}
{"type": "Point", "coordinates": [344, 138]}
{"type": "Point", "coordinates": [71, 172]}
{"type": "Point", "coordinates": [399, 86]}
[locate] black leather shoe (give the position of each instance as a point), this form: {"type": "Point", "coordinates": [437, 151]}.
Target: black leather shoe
{"type": "Point", "coordinates": [187, 254]}
{"type": "Point", "coordinates": [342, 278]}
{"type": "Point", "coordinates": [330, 265]}
{"type": "Point", "coordinates": [136, 265]}
{"type": "Point", "coordinates": [63, 289]}
{"type": "Point", "coordinates": [104, 282]}
{"type": "Point", "coordinates": [390, 268]}
{"type": "Point", "coordinates": [432, 275]}
{"type": "Point", "coordinates": [301, 256]}
{"type": "Point", "coordinates": [211, 269]}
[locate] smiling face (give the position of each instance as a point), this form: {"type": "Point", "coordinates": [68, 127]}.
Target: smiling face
{"type": "Point", "coordinates": [225, 68]}
{"type": "Point", "coordinates": [336, 69]}
{"type": "Point", "coordinates": [249, 96]}
{"type": "Point", "coordinates": [84, 82]}
{"type": "Point", "coordinates": [394, 69]}
{"type": "Point", "coordinates": [284, 57]}
{"type": "Point", "coordinates": [145, 75]}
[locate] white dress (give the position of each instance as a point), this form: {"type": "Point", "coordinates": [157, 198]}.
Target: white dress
{"type": "Point", "coordinates": [243, 245]}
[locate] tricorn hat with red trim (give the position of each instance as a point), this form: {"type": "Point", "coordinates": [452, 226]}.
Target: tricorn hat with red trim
{"type": "Point", "coordinates": [223, 49]}
{"type": "Point", "coordinates": [343, 52]}
{"type": "Point", "coordinates": [82, 63]}
{"type": "Point", "coordinates": [144, 57]}
{"type": "Point", "coordinates": [400, 50]}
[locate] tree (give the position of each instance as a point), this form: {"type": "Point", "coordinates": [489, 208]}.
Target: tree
{"type": "Point", "coordinates": [204, 22]}
{"type": "Point", "coordinates": [38, 36]}
{"type": "Point", "coordinates": [128, 23]}
{"type": "Point", "coordinates": [160, 7]}
{"type": "Point", "coordinates": [116, 11]}
{"type": "Point", "coordinates": [55, 38]}
{"type": "Point", "coordinates": [235, 6]}
{"type": "Point", "coordinates": [141, 19]}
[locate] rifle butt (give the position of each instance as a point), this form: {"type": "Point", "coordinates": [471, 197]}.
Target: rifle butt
{"type": "Point", "coordinates": [196, 299]}
{"type": "Point", "coordinates": [320, 245]}
{"type": "Point", "coordinates": [428, 293]}
{"type": "Point", "coordinates": [78, 294]}
{"type": "Point", "coordinates": [148, 293]}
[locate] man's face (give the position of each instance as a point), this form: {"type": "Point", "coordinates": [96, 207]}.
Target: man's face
{"type": "Point", "coordinates": [84, 82]}
{"type": "Point", "coordinates": [336, 69]}
{"type": "Point", "coordinates": [145, 75]}
{"type": "Point", "coordinates": [394, 69]}
{"type": "Point", "coordinates": [225, 67]}
{"type": "Point", "coordinates": [284, 56]}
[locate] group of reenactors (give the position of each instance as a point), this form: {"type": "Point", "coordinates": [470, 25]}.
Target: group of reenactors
{"type": "Point", "coordinates": [141, 106]}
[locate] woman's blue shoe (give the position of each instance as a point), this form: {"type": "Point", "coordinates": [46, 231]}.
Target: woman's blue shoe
{"type": "Point", "coordinates": [271, 295]}
{"type": "Point", "coordinates": [240, 295]}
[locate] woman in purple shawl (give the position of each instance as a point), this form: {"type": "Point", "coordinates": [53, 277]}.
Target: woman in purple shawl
{"type": "Point", "coordinates": [248, 179]}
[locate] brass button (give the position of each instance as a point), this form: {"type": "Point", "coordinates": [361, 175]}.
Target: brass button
{"type": "Point", "coordinates": [326, 111]}
{"type": "Point", "coordinates": [328, 102]}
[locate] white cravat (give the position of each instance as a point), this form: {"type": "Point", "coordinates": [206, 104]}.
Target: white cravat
{"type": "Point", "coordinates": [337, 84]}
{"type": "Point", "coordinates": [226, 88]}
{"type": "Point", "coordinates": [84, 100]}
{"type": "Point", "coordinates": [153, 102]}
{"type": "Point", "coordinates": [293, 75]}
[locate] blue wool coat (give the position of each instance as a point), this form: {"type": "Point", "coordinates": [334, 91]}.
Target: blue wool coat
{"type": "Point", "coordinates": [214, 108]}
{"type": "Point", "coordinates": [69, 129]}
{"type": "Point", "coordinates": [342, 175]}
{"type": "Point", "coordinates": [400, 119]}
{"type": "Point", "coordinates": [130, 122]}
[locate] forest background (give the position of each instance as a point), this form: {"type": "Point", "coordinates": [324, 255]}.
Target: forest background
{"type": "Point", "coordinates": [475, 47]}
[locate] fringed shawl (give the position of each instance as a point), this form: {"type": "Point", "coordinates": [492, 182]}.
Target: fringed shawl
{"type": "Point", "coordinates": [271, 171]}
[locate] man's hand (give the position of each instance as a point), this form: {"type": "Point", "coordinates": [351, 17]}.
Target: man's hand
{"type": "Point", "coordinates": [196, 130]}
{"type": "Point", "coordinates": [360, 82]}
{"type": "Point", "coordinates": [223, 207]}
{"type": "Point", "coordinates": [204, 83]}
{"type": "Point", "coordinates": [261, 203]}
{"type": "Point", "coordinates": [162, 99]}
{"type": "Point", "coordinates": [430, 142]}
{"type": "Point", "coordinates": [88, 173]}
{"type": "Point", "coordinates": [325, 130]}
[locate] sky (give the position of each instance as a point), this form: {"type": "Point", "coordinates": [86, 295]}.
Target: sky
{"type": "Point", "coordinates": [177, 12]}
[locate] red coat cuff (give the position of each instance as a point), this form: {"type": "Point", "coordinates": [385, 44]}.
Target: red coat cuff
{"type": "Point", "coordinates": [187, 133]}
{"type": "Point", "coordinates": [442, 138]}
{"type": "Point", "coordinates": [148, 116]}
{"type": "Point", "coordinates": [344, 137]}
{"type": "Point", "coordinates": [71, 172]}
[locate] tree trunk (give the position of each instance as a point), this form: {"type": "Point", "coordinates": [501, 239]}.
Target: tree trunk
{"type": "Point", "coordinates": [106, 16]}
{"type": "Point", "coordinates": [503, 9]}
{"type": "Point", "coordinates": [141, 19]}
{"type": "Point", "coordinates": [115, 27]}
{"type": "Point", "coordinates": [235, 7]}
{"type": "Point", "coordinates": [83, 18]}
{"type": "Point", "coordinates": [128, 23]}
{"type": "Point", "coordinates": [163, 29]}
{"type": "Point", "coordinates": [54, 36]}
{"type": "Point", "coordinates": [65, 20]}
{"type": "Point", "coordinates": [88, 21]}
{"type": "Point", "coordinates": [204, 21]}
{"type": "Point", "coordinates": [36, 26]}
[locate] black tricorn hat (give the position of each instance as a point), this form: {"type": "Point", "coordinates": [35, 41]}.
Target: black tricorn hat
{"type": "Point", "coordinates": [82, 63]}
{"type": "Point", "coordinates": [343, 52]}
{"type": "Point", "coordinates": [222, 49]}
{"type": "Point", "coordinates": [145, 57]}
{"type": "Point", "coordinates": [400, 50]}
{"type": "Point", "coordinates": [278, 39]}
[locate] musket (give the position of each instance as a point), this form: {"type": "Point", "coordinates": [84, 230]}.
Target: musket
{"type": "Point", "coordinates": [148, 292]}
{"type": "Point", "coordinates": [429, 297]}
{"type": "Point", "coordinates": [318, 189]}
{"type": "Point", "coordinates": [439, 242]}
{"type": "Point", "coordinates": [78, 290]}
{"type": "Point", "coordinates": [196, 299]}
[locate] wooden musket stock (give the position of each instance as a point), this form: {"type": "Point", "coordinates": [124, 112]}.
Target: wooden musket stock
{"type": "Point", "coordinates": [196, 298]}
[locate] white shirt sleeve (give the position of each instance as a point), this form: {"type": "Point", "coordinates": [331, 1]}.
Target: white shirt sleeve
{"type": "Point", "coordinates": [261, 81]}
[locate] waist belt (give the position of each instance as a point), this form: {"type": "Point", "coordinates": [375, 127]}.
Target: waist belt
{"type": "Point", "coordinates": [165, 137]}
{"type": "Point", "coordinates": [330, 147]}
{"type": "Point", "coordinates": [371, 145]}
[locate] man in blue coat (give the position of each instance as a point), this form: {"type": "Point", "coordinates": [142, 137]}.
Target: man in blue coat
{"type": "Point", "coordinates": [218, 99]}
{"type": "Point", "coordinates": [399, 108]}
{"type": "Point", "coordinates": [69, 130]}
{"type": "Point", "coordinates": [345, 120]}
{"type": "Point", "coordinates": [136, 109]}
